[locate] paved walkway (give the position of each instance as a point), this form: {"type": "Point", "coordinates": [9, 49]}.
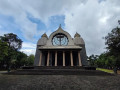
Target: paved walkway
{"type": "Point", "coordinates": [1, 72]}
{"type": "Point", "coordinates": [59, 82]}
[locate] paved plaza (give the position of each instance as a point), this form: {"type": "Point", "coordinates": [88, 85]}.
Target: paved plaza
{"type": "Point", "coordinates": [59, 82]}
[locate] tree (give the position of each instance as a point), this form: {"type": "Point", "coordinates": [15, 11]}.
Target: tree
{"type": "Point", "coordinates": [92, 59]}
{"type": "Point", "coordinates": [110, 62]}
{"type": "Point", "coordinates": [14, 44]}
{"type": "Point", "coordinates": [3, 49]}
{"type": "Point", "coordinates": [3, 52]}
{"type": "Point", "coordinates": [113, 46]}
{"type": "Point", "coordinates": [112, 40]}
{"type": "Point", "coordinates": [21, 59]}
{"type": "Point", "coordinates": [13, 41]}
{"type": "Point", "coordinates": [100, 62]}
{"type": "Point", "coordinates": [31, 60]}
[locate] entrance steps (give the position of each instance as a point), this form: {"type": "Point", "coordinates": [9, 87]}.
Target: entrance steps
{"type": "Point", "coordinates": [59, 71]}
{"type": "Point", "coordinates": [58, 67]}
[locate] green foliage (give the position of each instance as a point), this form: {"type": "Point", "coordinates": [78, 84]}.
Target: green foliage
{"type": "Point", "coordinates": [9, 46]}
{"type": "Point", "coordinates": [113, 45]}
{"type": "Point", "coordinates": [31, 60]}
{"type": "Point", "coordinates": [92, 59]}
{"type": "Point", "coordinates": [113, 41]}
{"type": "Point", "coordinates": [103, 61]}
{"type": "Point", "coordinates": [3, 50]}
{"type": "Point", "coordinates": [110, 61]}
{"type": "Point", "coordinates": [21, 59]}
{"type": "Point", "coordinates": [10, 56]}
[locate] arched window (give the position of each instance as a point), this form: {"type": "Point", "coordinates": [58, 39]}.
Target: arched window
{"type": "Point", "coordinates": [60, 40]}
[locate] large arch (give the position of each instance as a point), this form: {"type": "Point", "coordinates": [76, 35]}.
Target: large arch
{"type": "Point", "coordinates": [60, 30]}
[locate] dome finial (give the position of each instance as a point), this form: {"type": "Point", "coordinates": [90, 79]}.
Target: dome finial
{"type": "Point", "coordinates": [60, 26]}
{"type": "Point", "coordinates": [59, 29]}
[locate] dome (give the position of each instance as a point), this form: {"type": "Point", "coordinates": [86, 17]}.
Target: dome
{"type": "Point", "coordinates": [78, 39]}
{"type": "Point", "coordinates": [44, 35]}
{"type": "Point", "coordinates": [76, 35]}
{"type": "Point", "coordinates": [43, 40]}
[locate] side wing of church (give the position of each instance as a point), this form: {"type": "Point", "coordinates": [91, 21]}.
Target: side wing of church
{"type": "Point", "coordinates": [60, 49]}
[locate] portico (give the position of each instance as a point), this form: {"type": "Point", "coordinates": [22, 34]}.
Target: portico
{"type": "Point", "coordinates": [61, 58]}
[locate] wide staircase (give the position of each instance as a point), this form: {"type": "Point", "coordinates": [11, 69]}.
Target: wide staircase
{"type": "Point", "coordinates": [59, 70]}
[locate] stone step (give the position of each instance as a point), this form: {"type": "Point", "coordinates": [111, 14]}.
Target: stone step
{"type": "Point", "coordinates": [59, 72]}
{"type": "Point", "coordinates": [59, 67]}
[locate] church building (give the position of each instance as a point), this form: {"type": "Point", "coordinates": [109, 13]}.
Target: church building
{"type": "Point", "coordinates": [60, 49]}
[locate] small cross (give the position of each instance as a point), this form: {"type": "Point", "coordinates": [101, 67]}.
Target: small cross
{"type": "Point", "coordinates": [60, 25]}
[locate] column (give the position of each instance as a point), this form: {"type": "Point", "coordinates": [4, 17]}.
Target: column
{"type": "Point", "coordinates": [79, 58]}
{"type": "Point", "coordinates": [48, 56]}
{"type": "Point", "coordinates": [40, 58]}
{"type": "Point", "coordinates": [56, 58]}
{"type": "Point", "coordinates": [71, 58]}
{"type": "Point", "coordinates": [63, 58]}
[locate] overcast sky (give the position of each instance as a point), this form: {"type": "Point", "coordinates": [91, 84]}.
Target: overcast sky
{"type": "Point", "coordinates": [29, 19]}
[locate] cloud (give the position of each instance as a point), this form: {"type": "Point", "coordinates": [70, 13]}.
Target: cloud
{"type": "Point", "coordinates": [93, 19]}
{"type": "Point", "coordinates": [28, 48]}
{"type": "Point", "coordinates": [2, 32]}
{"type": "Point", "coordinates": [28, 51]}
{"type": "Point", "coordinates": [14, 8]}
{"type": "Point", "coordinates": [40, 9]}
{"type": "Point", "coordinates": [28, 45]}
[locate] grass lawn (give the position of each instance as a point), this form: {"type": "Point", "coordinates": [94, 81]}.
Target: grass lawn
{"type": "Point", "coordinates": [105, 70]}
